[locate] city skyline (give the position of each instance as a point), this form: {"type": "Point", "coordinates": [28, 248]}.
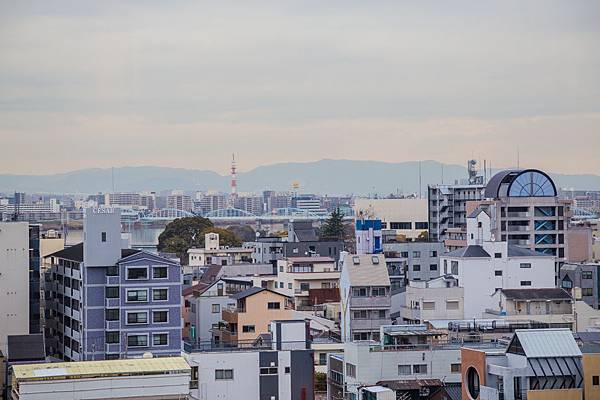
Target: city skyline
{"type": "Point", "coordinates": [119, 85]}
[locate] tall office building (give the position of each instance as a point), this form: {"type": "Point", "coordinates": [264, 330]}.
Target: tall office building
{"type": "Point", "coordinates": [14, 280]}
{"type": "Point", "coordinates": [447, 204]}
{"type": "Point", "coordinates": [106, 302]}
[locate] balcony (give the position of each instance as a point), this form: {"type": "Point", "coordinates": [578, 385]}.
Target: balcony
{"type": "Point", "coordinates": [518, 228]}
{"type": "Point", "coordinates": [112, 325]}
{"type": "Point", "coordinates": [368, 324]}
{"type": "Point", "coordinates": [112, 303]}
{"type": "Point", "coordinates": [112, 347]}
{"type": "Point", "coordinates": [517, 215]}
{"type": "Point", "coordinates": [112, 280]}
{"type": "Point", "coordinates": [76, 294]}
{"type": "Point", "coordinates": [370, 302]}
{"type": "Point", "coordinates": [230, 315]}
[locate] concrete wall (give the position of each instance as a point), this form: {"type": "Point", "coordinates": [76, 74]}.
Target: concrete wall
{"type": "Point", "coordinates": [394, 210]}
{"type": "Point", "coordinates": [259, 315]}
{"type": "Point", "coordinates": [14, 280]}
{"type": "Point", "coordinates": [591, 367]}
{"type": "Point", "coordinates": [96, 222]}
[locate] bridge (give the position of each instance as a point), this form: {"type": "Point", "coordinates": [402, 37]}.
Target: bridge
{"type": "Point", "coordinates": [225, 215]}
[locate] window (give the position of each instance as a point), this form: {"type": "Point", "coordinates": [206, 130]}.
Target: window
{"type": "Point", "coordinates": [304, 286]}
{"type": "Point", "coordinates": [356, 260]}
{"type": "Point", "coordinates": [497, 255]}
{"type": "Point", "coordinates": [451, 304]}
{"type": "Point", "coordinates": [454, 267]}
{"type": "Point", "coordinates": [361, 336]}
{"type": "Point", "coordinates": [400, 225]}
{"type": "Point", "coordinates": [159, 272]}
{"type": "Point", "coordinates": [497, 272]}
{"type": "Point", "coordinates": [473, 383]}
{"type": "Point", "coordinates": [421, 225]}
{"type": "Point", "coordinates": [375, 260]}
{"type": "Point", "coordinates": [567, 284]}
{"type": "Point", "coordinates": [137, 317]}
{"type": "Point", "coordinates": [404, 254]}
{"type": "Point", "coordinates": [322, 358]}
{"type": "Point", "coordinates": [420, 369]}
{"type": "Point", "coordinates": [378, 292]}
{"type": "Point", "coordinates": [381, 314]}
{"type": "Point", "coordinates": [160, 294]}
{"type": "Point", "coordinates": [416, 254]}
{"type": "Point", "coordinates": [416, 267]}
{"type": "Point", "coordinates": [223, 374]}
{"type": "Point", "coordinates": [359, 314]}
{"type": "Point", "coordinates": [103, 237]}
{"type": "Point", "coordinates": [429, 305]}
{"type": "Point", "coordinates": [586, 274]}
{"type": "Point", "coordinates": [287, 370]}
{"type": "Point", "coordinates": [268, 371]}
{"type": "Point", "coordinates": [248, 328]}
{"type": "Point", "coordinates": [404, 369]}
{"type": "Point", "coordinates": [525, 283]}
{"type": "Point", "coordinates": [137, 295]}
{"type": "Point", "coordinates": [281, 285]}
{"type": "Point", "coordinates": [160, 316]}
{"type": "Point", "coordinates": [433, 253]}
{"type": "Point", "coordinates": [525, 265]}
{"type": "Point", "coordinates": [137, 340]}
{"type": "Point", "coordinates": [359, 292]}
{"type": "Point", "coordinates": [112, 337]}
{"type": "Point", "coordinates": [112, 292]}
{"type": "Point", "coordinates": [596, 380]}
{"type": "Point", "coordinates": [160, 339]}
{"type": "Point", "coordinates": [433, 267]}
{"type": "Point", "coordinates": [587, 291]}
{"type": "Point", "coordinates": [455, 368]}
{"type": "Point", "coordinates": [215, 308]}
{"type": "Point", "coordinates": [290, 286]}
{"type": "Point", "coordinates": [111, 314]}
{"type": "Point", "coordinates": [137, 273]}
{"type": "Point", "coordinates": [351, 370]}
{"type": "Point", "coordinates": [112, 271]}
{"type": "Point", "coordinates": [274, 305]}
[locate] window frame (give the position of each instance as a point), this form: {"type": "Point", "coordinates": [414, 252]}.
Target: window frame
{"type": "Point", "coordinates": [130, 335]}
{"type": "Point", "coordinates": [154, 321]}
{"type": "Point", "coordinates": [224, 373]}
{"type": "Point", "coordinates": [131, 267]}
{"type": "Point", "coordinates": [143, 312]}
{"type": "Point", "coordinates": [160, 345]}
{"type": "Point", "coordinates": [166, 277]}
{"type": "Point", "coordinates": [160, 300]}
{"type": "Point", "coordinates": [138, 290]}
{"type": "Point", "coordinates": [107, 288]}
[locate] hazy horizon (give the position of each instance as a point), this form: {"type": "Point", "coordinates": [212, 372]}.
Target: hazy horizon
{"type": "Point", "coordinates": [186, 84]}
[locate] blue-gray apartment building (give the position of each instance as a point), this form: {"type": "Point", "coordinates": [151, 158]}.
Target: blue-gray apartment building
{"type": "Point", "coordinates": [107, 301]}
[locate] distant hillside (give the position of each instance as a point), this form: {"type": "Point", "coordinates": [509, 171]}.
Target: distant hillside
{"type": "Point", "coordinates": [325, 176]}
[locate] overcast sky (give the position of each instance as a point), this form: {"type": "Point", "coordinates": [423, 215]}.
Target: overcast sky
{"type": "Point", "coordinates": [185, 84]}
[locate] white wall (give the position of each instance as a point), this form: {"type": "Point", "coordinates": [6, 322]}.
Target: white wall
{"type": "Point", "coordinates": [14, 280]}
{"type": "Point", "coordinates": [96, 221]}
{"type": "Point", "coordinates": [394, 210]}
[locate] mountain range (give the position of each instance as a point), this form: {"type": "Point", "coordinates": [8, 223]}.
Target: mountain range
{"type": "Point", "coordinates": [324, 177]}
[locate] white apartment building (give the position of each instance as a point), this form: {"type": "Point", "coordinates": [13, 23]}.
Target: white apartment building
{"type": "Point", "coordinates": [14, 280]}
{"type": "Point", "coordinates": [365, 296]}
{"type": "Point", "coordinates": [298, 275]}
{"type": "Point", "coordinates": [179, 201]}
{"type": "Point", "coordinates": [214, 254]}
{"type": "Point", "coordinates": [408, 217]}
{"type": "Point", "coordinates": [438, 299]}
{"type": "Point", "coordinates": [486, 265]}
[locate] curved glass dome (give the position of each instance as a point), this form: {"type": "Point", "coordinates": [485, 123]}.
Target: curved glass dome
{"type": "Point", "coordinates": [532, 184]}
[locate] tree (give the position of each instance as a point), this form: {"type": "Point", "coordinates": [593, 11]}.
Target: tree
{"type": "Point", "coordinates": [333, 228]}
{"type": "Point", "coordinates": [320, 382]}
{"type": "Point", "coordinates": [244, 232]}
{"type": "Point", "coordinates": [182, 234]}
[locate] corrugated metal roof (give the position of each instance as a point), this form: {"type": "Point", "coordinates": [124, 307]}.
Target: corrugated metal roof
{"type": "Point", "coordinates": [366, 272]}
{"type": "Point", "coordinates": [547, 343]}
{"type": "Point", "coordinates": [86, 369]}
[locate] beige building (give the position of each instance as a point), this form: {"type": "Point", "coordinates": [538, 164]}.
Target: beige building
{"type": "Point", "coordinates": [254, 310]}
{"type": "Point", "coordinates": [438, 299]}
{"type": "Point", "coordinates": [299, 276]}
{"type": "Point", "coordinates": [14, 280]}
{"type": "Point", "coordinates": [408, 217]}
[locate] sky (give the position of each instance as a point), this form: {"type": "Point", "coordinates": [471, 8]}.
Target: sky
{"type": "Point", "coordinates": [185, 84]}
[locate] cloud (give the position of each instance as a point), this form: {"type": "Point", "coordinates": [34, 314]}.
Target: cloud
{"type": "Point", "coordinates": [186, 83]}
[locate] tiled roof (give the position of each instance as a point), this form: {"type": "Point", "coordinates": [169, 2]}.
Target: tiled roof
{"type": "Point", "coordinates": [539, 343]}
{"type": "Point", "coordinates": [537, 294]}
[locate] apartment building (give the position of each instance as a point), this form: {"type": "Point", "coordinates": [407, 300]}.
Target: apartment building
{"type": "Point", "coordinates": [305, 278]}
{"type": "Point", "coordinates": [105, 302]}
{"type": "Point", "coordinates": [254, 310]}
{"type": "Point", "coordinates": [422, 257]}
{"type": "Point", "coordinates": [278, 367]}
{"type": "Point", "coordinates": [368, 236]}
{"type": "Point", "coordinates": [14, 281]}
{"type": "Point", "coordinates": [365, 293]}
{"type": "Point", "coordinates": [584, 278]}
{"type": "Point", "coordinates": [406, 217]}
{"type": "Point", "coordinates": [404, 353]}
{"type": "Point", "coordinates": [122, 200]}
{"type": "Point", "coordinates": [215, 254]}
{"type": "Point", "coordinates": [207, 304]}
{"type": "Point", "coordinates": [486, 265]}
{"type": "Point", "coordinates": [164, 378]}
{"type": "Point", "coordinates": [179, 201]}
{"type": "Point", "coordinates": [438, 299]}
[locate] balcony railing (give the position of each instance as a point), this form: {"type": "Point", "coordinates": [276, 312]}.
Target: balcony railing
{"type": "Point", "coordinates": [370, 302]}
